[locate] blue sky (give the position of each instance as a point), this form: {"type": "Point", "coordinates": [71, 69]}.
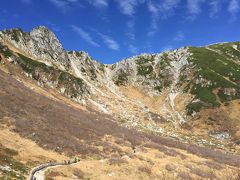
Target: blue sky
{"type": "Point", "coordinates": [110, 30]}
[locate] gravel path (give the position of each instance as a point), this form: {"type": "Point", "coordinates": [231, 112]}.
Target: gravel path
{"type": "Point", "coordinates": [38, 173]}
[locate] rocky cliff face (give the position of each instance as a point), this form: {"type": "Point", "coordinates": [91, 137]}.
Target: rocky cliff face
{"type": "Point", "coordinates": [40, 44]}
{"type": "Point", "coordinates": [154, 72]}
{"type": "Point", "coordinates": [177, 86]}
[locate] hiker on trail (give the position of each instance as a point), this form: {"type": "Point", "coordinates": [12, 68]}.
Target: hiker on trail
{"type": "Point", "coordinates": [134, 149]}
{"type": "Point", "coordinates": [76, 159]}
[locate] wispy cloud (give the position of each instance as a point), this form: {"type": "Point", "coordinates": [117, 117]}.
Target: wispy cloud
{"type": "Point", "coordinates": [133, 49]}
{"type": "Point", "coordinates": [162, 9]}
{"type": "Point", "coordinates": [215, 7]}
{"type": "Point", "coordinates": [194, 8]}
{"type": "Point", "coordinates": [234, 7]}
{"type": "Point", "coordinates": [131, 29]}
{"type": "Point", "coordinates": [60, 4]}
{"type": "Point", "coordinates": [167, 7]}
{"type": "Point", "coordinates": [111, 44]}
{"type": "Point", "coordinates": [53, 26]}
{"type": "Point", "coordinates": [63, 5]}
{"type": "Point", "coordinates": [128, 7]}
{"type": "Point", "coordinates": [179, 36]}
{"type": "Point", "coordinates": [154, 10]}
{"type": "Point", "coordinates": [84, 35]}
{"type": "Point", "coordinates": [131, 35]}
{"type": "Point", "coordinates": [98, 3]}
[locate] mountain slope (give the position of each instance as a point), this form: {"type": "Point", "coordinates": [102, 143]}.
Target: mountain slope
{"type": "Point", "coordinates": [142, 118]}
{"type": "Point", "coordinates": [175, 93]}
{"type": "Point", "coordinates": [38, 125]}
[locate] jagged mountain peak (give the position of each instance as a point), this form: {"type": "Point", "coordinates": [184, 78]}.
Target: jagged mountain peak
{"type": "Point", "coordinates": [40, 44]}
{"type": "Point", "coordinates": [42, 28]}
{"type": "Point", "coordinates": [12, 30]}
{"type": "Point", "coordinates": [13, 34]}
{"type": "Point", "coordinates": [42, 32]}
{"type": "Point", "coordinates": [45, 31]}
{"type": "Point", "coordinates": [47, 38]}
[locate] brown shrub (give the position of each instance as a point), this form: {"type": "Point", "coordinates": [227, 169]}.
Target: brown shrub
{"type": "Point", "coordinates": [182, 156]}
{"type": "Point", "coordinates": [213, 165]}
{"type": "Point", "coordinates": [189, 166]}
{"type": "Point", "coordinates": [234, 176]}
{"type": "Point", "coordinates": [145, 169]}
{"type": "Point", "coordinates": [52, 174]}
{"type": "Point", "coordinates": [141, 158]}
{"type": "Point", "coordinates": [204, 174]}
{"type": "Point", "coordinates": [116, 160]}
{"type": "Point", "coordinates": [184, 175]}
{"type": "Point", "coordinates": [206, 152]}
{"type": "Point", "coordinates": [78, 173]}
{"type": "Point", "coordinates": [238, 175]}
{"type": "Point", "coordinates": [165, 150]}
{"type": "Point", "coordinates": [55, 123]}
{"type": "Point", "coordinates": [160, 156]}
{"type": "Point", "coordinates": [49, 178]}
{"type": "Point", "coordinates": [170, 167]}
{"type": "Point", "coordinates": [150, 161]}
{"type": "Point", "coordinates": [201, 173]}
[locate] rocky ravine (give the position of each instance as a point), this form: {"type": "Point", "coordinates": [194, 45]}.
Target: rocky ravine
{"type": "Point", "coordinates": [191, 89]}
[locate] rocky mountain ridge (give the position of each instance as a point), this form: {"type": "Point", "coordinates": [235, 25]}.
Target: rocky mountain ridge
{"type": "Point", "coordinates": [188, 87]}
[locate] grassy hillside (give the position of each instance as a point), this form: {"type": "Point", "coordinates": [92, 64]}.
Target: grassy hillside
{"type": "Point", "coordinates": [217, 76]}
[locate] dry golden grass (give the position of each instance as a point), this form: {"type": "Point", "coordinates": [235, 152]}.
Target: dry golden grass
{"type": "Point", "coordinates": [107, 150]}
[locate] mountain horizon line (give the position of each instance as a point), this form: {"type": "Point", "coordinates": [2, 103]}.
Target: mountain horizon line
{"type": "Point", "coordinates": [43, 27]}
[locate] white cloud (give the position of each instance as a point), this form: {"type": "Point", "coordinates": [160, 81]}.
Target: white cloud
{"type": "Point", "coordinates": [131, 29]}
{"type": "Point", "coordinates": [161, 9]}
{"type": "Point", "coordinates": [111, 44]}
{"type": "Point", "coordinates": [179, 36]}
{"type": "Point", "coordinates": [153, 8]}
{"type": "Point", "coordinates": [234, 7]}
{"type": "Point", "coordinates": [168, 6]}
{"type": "Point", "coordinates": [98, 3]}
{"type": "Point", "coordinates": [84, 35]}
{"type": "Point", "coordinates": [215, 7]}
{"type": "Point", "coordinates": [194, 8]}
{"type": "Point", "coordinates": [128, 7]}
{"type": "Point", "coordinates": [53, 26]}
{"type": "Point", "coordinates": [133, 49]}
{"type": "Point", "coordinates": [154, 27]}
{"type": "Point", "coordinates": [64, 5]}
{"type": "Point", "coordinates": [164, 8]}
